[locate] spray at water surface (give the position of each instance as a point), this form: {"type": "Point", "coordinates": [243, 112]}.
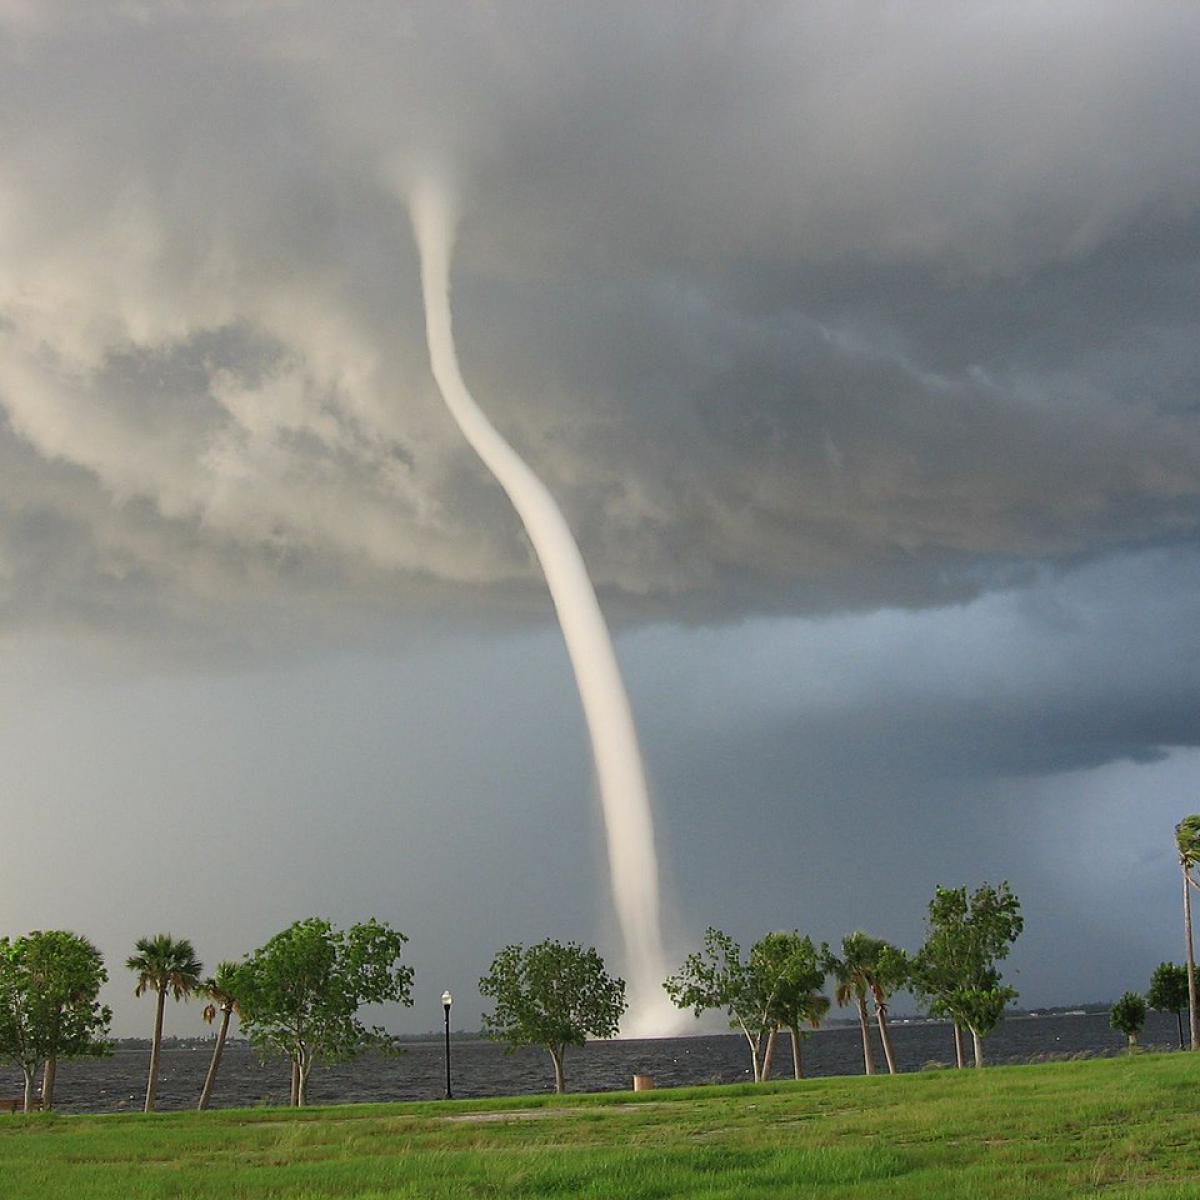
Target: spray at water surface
{"type": "Point", "coordinates": [629, 827]}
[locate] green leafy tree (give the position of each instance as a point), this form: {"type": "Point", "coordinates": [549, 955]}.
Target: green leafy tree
{"type": "Point", "coordinates": [955, 971]}
{"type": "Point", "coordinates": [869, 967]}
{"type": "Point", "coordinates": [1187, 842]}
{"type": "Point", "coordinates": [299, 995]}
{"type": "Point", "coordinates": [551, 995]}
{"type": "Point", "coordinates": [163, 964]}
{"type": "Point", "coordinates": [1169, 992]}
{"type": "Point", "coordinates": [790, 974]}
{"type": "Point", "coordinates": [940, 966]}
{"type": "Point", "coordinates": [1129, 1016]}
{"type": "Point", "coordinates": [222, 990]}
{"type": "Point", "coordinates": [717, 977]}
{"type": "Point", "coordinates": [50, 982]}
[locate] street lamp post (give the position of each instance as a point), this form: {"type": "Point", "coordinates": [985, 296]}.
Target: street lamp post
{"type": "Point", "coordinates": [447, 1000]}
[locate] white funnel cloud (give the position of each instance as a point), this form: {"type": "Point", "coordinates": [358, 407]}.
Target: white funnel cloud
{"type": "Point", "coordinates": [633, 864]}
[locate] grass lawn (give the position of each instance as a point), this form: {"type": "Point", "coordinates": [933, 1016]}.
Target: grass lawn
{"type": "Point", "coordinates": [1111, 1127]}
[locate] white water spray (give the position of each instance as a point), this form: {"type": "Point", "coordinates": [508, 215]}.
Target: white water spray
{"type": "Point", "coordinates": [633, 865]}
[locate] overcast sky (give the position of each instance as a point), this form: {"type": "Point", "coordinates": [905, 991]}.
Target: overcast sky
{"type": "Point", "coordinates": [859, 342]}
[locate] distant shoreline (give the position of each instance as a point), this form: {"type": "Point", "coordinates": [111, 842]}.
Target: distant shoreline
{"type": "Point", "coordinates": [469, 1035]}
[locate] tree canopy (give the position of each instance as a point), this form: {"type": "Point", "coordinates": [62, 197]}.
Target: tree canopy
{"type": "Point", "coordinates": [299, 995]}
{"type": "Point", "coordinates": [551, 995]}
{"type": "Point", "coordinates": [165, 964]}
{"type": "Point", "coordinates": [1187, 840]}
{"type": "Point", "coordinates": [790, 973]}
{"type": "Point", "coordinates": [1168, 988]}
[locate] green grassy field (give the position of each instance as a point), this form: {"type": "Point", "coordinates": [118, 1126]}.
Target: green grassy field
{"type": "Point", "coordinates": [1113, 1127]}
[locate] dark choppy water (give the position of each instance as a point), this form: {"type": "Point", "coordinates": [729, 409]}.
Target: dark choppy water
{"type": "Point", "coordinates": [485, 1069]}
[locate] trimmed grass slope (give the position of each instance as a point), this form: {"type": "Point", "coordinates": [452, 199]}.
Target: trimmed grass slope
{"type": "Point", "coordinates": [1116, 1128]}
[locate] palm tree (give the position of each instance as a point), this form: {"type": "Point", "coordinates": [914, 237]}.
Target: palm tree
{"type": "Point", "coordinates": [809, 1011]}
{"type": "Point", "coordinates": [163, 964]}
{"type": "Point", "coordinates": [222, 991]}
{"type": "Point", "coordinates": [889, 973]}
{"type": "Point", "coordinates": [1187, 841]}
{"type": "Point", "coordinates": [870, 966]}
{"type": "Point", "coordinates": [852, 982]}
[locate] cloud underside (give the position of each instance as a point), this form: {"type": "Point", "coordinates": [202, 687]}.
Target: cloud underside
{"type": "Point", "coordinates": [794, 311]}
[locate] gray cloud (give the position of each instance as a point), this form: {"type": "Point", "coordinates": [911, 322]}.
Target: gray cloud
{"type": "Point", "coordinates": [796, 309]}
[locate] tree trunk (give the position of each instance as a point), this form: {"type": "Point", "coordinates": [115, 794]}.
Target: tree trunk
{"type": "Point", "coordinates": [978, 1043]}
{"type": "Point", "coordinates": [755, 1063]}
{"type": "Point", "coordinates": [302, 1086]}
{"type": "Point", "coordinates": [155, 1047]}
{"type": "Point", "coordinates": [28, 1073]}
{"type": "Point", "coordinates": [48, 1078]}
{"type": "Point", "coordinates": [769, 1055]}
{"type": "Point", "coordinates": [560, 1082]}
{"type": "Point", "coordinates": [797, 1062]}
{"type": "Point", "coordinates": [1133, 1037]}
{"type": "Point", "coordinates": [1193, 1016]}
{"type": "Point", "coordinates": [885, 1035]}
{"type": "Point", "coordinates": [959, 1060]}
{"type": "Point", "coordinates": [1179, 1022]}
{"type": "Point", "coordinates": [864, 1025]}
{"type": "Point", "coordinates": [211, 1078]}
{"type": "Point", "coordinates": [294, 1095]}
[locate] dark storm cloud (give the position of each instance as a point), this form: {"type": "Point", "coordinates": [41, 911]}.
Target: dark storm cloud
{"type": "Point", "coordinates": [795, 308]}
{"type": "Point", "coordinates": [1063, 674]}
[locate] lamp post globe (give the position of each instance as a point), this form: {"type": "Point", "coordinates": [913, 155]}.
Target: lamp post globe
{"type": "Point", "coordinates": [447, 1000]}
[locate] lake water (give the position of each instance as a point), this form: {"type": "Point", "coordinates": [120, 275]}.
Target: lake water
{"type": "Point", "coordinates": [481, 1068]}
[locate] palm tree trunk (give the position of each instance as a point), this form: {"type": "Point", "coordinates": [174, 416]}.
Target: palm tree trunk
{"type": "Point", "coordinates": [797, 1063]}
{"type": "Point", "coordinates": [155, 1047]}
{"type": "Point", "coordinates": [560, 1082]}
{"type": "Point", "coordinates": [978, 1045]}
{"type": "Point", "coordinates": [1193, 1016]}
{"type": "Point", "coordinates": [885, 1035]}
{"type": "Point", "coordinates": [211, 1078]}
{"type": "Point", "coordinates": [769, 1055]}
{"type": "Point", "coordinates": [294, 1095]}
{"type": "Point", "coordinates": [48, 1078]}
{"type": "Point", "coordinates": [959, 1059]}
{"type": "Point", "coordinates": [28, 1073]}
{"type": "Point", "coordinates": [864, 1026]}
